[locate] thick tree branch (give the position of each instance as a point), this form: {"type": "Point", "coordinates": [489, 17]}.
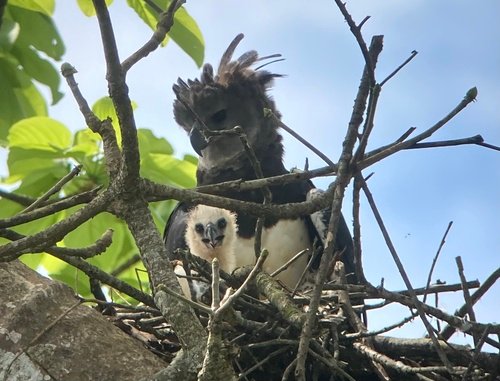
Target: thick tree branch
{"type": "Point", "coordinates": [191, 333]}
{"type": "Point", "coordinates": [118, 92]}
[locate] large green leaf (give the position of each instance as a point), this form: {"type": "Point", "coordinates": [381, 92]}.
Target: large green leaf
{"type": "Point", "coordinates": [39, 69]}
{"type": "Point", "coordinates": [27, 29]}
{"type": "Point", "coordinates": [8, 34]}
{"type": "Point", "coordinates": [85, 143]}
{"type": "Point", "coordinates": [33, 145]}
{"type": "Point", "coordinates": [149, 16]}
{"type": "Point", "coordinates": [185, 32]}
{"type": "Point", "coordinates": [103, 108]}
{"type": "Point", "coordinates": [38, 30]}
{"type": "Point", "coordinates": [23, 163]}
{"type": "Point", "coordinates": [88, 233]}
{"type": "Point", "coordinates": [167, 169]}
{"type": "Point", "coordinates": [63, 272]}
{"type": "Point", "coordinates": [44, 6]}
{"type": "Point", "coordinates": [159, 164]}
{"type": "Point", "coordinates": [40, 133]}
{"type": "Point", "coordinates": [19, 98]}
{"type": "Point", "coordinates": [30, 101]}
{"type": "Point", "coordinates": [149, 143]}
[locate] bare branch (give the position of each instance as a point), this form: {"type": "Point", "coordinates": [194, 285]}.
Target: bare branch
{"type": "Point", "coordinates": [103, 128]}
{"type": "Point", "coordinates": [118, 92]}
{"type": "Point", "coordinates": [343, 177]}
{"type": "Point", "coordinates": [325, 158]}
{"type": "Point", "coordinates": [17, 198]}
{"type": "Point", "coordinates": [53, 190]}
{"type": "Point", "coordinates": [240, 185]}
{"type": "Point", "coordinates": [477, 139]}
{"type": "Point", "coordinates": [290, 210]}
{"type": "Point", "coordinates": [429, 277]}
{"type": "Point", "coordinates": [490, 146]}
{"type": "Point", "coordinates": [467, 298]}
{"type": "Point", "coordinates": [49, 209]}
{"type": "Point", "coordinates": [356, 31]}
{"type": "Point", "coordinates": [90, 270]}
{"type": "Point", "coordinates": [58, 231]}
{"type": "Point", "coordinates": [162, 28]}
{"type": "Point", "coordinates": [383, 152]}
{"type": "Point", "coordinates": [487, 284]}
{"type": "Point", "coordinates": [404, 275]}
{"type": "Point", "coordinates": [406, 62]}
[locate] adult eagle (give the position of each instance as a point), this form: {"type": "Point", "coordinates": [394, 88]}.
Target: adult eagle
{"type": "Point", "coordinates": [236, 95]}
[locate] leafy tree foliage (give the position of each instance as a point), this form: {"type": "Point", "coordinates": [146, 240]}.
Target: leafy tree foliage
{"type": "Point", "coordinates": [42, 150]}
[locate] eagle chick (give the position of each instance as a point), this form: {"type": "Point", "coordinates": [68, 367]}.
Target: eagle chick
{"type": "Point", "coordinates": [211, 233]}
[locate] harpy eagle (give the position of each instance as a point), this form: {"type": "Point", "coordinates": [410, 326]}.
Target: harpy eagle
{"type": "Point", "coordinates": [236, 95]}
{"type": "Point", "coordinates": [210, 233]}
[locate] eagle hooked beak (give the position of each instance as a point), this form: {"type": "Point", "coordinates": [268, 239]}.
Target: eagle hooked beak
{"type": "Point", "coordinates": [198, 141]}
{"type": "Point", "coordinates": [212, 236]}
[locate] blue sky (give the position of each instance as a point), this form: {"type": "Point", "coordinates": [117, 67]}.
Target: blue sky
{"type": "Point", "coordinates": [417, 192]}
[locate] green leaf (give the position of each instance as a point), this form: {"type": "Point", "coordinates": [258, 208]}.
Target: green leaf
{"type": "Point", "coordinates": [8, 33]}
{"type": "Point", "coordinates": [167, 169]}
{"type": "Point", "coordinates": [38, 178]}
{"type": "Point", "coordinates": [31, 101]}
{"type": "Point", "coordinates": [149, 143]}
{"type": "Point", "coordinates": [40, 133]}
{"type": "Point", "coordinates": [51, 264]}
{"type": "Point", "coordinates": [185, 32]}
{"type": "Point", "coordinates": [147, 15]}
{"type": "Point", "coordinates": [88, 233]}
{"type": "Point", "coordinates": [44, 6]}
{"type": "Point", "coordinates": [87, 7]}
{"type": "Point", "coordinates": [19, 98]}
{"type": "Point", "coordinates": [33, 144]}
{"type": "Point", "coordinates": [22, 163]}
{"type": "Point", "coordinates": [68, 274]}
{"type": "Point", "coordinates": [38, 30]}
{"type": "Point", "coordinates": [40, 69]}
{"type": "Point", "coordinates": [85, 143]}
{"type": "Point", "coordinates": [192, 159]}
{"type": "Point", "coordinates": [32, 261]}
{"type": "Point", "coordinates": [103, 108]}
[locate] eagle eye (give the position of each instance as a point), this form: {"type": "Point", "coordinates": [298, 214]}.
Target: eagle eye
{"type": "Point", "coordinates": [221, 223]}
{"type": "Point", "coordinates": [199, 228]}
{"type": "Point", "coordinates": [219, 116]}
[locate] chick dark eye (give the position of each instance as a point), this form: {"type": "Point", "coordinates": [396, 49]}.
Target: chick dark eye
{"type": "Point", "coordinates": [221, 223]}
{"type": "Point", "coordinates": [199, 228]}
{"type": "Point", "coordinates": [219, 116]}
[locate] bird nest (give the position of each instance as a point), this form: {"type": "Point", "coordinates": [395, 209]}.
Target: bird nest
{"type": "Point", "coordinates": [261, 330]}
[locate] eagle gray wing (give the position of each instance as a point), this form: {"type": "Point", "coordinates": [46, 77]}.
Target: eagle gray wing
{"type": "Point", "coordinates": [175, 230]}
{"type": "Point", "coordinates": [343, 242]}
